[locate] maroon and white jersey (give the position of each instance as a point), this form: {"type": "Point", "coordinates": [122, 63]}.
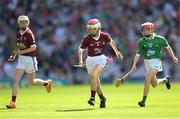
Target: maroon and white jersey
{"type": "Point", "coordinates": [26, 40]}
{"type": "Point", "coordinates": [96, 47]}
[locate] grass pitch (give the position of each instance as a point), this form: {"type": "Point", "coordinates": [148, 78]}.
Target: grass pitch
{"type": "Point", "coordinates": [71, 103]}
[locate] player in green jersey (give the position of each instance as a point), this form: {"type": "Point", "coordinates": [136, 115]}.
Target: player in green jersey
{"type": "Point", "coordinates": [150, 46]}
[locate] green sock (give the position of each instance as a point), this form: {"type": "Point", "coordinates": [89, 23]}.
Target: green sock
{"type": "Point", "coordinates": [165, 81]}
{"type": "Point", "coordinates": [144, 99]}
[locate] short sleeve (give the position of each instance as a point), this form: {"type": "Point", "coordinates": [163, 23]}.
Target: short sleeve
{"type": "Point", "coordinates": [84, 44]}
{"type": "Point", "coordinates": [108, 38]}
{"type": "Point", "coordinates": [164, 42]}
{"type": "Point", "coordinates": [139, 49]}
{"type": "Point", "coordinates": [31, 39]}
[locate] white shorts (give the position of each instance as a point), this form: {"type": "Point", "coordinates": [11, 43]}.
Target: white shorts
{"type": "Point", "coordinates": [153, 63]}
{"type": "Point", "coordinates": [91, 62]}
{"type": "Point", "coordinates": [28, 63]}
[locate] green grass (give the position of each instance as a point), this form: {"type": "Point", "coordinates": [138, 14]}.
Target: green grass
{"type": "Point", "coordinates": [71, 103]}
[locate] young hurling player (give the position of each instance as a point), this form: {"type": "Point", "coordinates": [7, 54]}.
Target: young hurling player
{"type": "Point", "coordinates": [26, 59]}
{"type": "Point", "coordinates": [95, 42]}
{"type": "Point", "coordinates": [150, 46]}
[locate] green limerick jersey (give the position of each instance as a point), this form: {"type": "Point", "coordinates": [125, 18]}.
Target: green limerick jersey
{"type": "Point", "coordinates": [152, 48]}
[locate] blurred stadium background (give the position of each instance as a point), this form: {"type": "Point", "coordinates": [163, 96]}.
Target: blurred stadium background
{"type": "Point", "coordinates": [59, 26]}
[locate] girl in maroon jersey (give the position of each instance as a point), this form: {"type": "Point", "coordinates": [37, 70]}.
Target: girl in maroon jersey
{"type": "Point", "coordinates": [26, 52]}
{"type": "Point", "coordinates": [95, 42]}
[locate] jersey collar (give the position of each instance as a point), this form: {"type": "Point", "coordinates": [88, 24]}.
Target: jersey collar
{"type": "Point", "coordinates": [22, 32]}
{"type": "Point", "coordinates": [151, 37]}
{"type": "Point", "coordinates": [96, 38]}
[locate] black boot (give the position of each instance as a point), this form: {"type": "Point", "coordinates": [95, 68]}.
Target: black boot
{"type": "Point", "coordinates": [141, 104]}
{"type": "Point", "coordinates": [91, 101]}
{"type": "Point", "coordinates": [103, 103]}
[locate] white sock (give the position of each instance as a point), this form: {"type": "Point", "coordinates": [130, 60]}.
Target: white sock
{"type": "Point", "coordinates": [39, 81]}
{"type": "Point", "coordinates": [162, 80]}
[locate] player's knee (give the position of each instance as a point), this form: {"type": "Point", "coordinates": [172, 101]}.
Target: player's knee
{"type": "Point", "coordinates": [153, 85]}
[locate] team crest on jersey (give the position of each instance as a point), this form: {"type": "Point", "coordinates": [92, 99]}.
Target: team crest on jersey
{"type": "Point", "coordinates": [150, 45]}
{"type": "Point", "coordinates": [91, 44]}
{"type": "Point", "coordinates": [22, 38]}
{"type": "Point", "coordinates": [98, 50]}
{"type": "Point", "coordinates": [22, 46]}
{"type": "Point", "coordinates": [97, 43]}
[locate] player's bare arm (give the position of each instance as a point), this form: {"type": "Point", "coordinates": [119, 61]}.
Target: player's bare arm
{"type": "Point", "coordinates": [174, 58]}
{"type": "Point", "coordinates": [118, 53]}
{"type": "Point", "coordinates": [15, 50]}
{"type": "Point", "coordinates": [27, 62]}
{"type": "Point", "coordinates": [80, 53]}
{"type": "Point", "coordinates": [136, 59]}
{"type": "Point", "coordinates": [31, 49]}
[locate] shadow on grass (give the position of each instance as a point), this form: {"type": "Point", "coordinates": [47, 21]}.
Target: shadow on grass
{"type": "Point", "coordinates": [3, 108]}
{"type": "Point", "coordinates": [74, 110]}
{"type": "Point", "coordinates": [9, 108]}
{"type": "Point", "coordinates": [138, 107]}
